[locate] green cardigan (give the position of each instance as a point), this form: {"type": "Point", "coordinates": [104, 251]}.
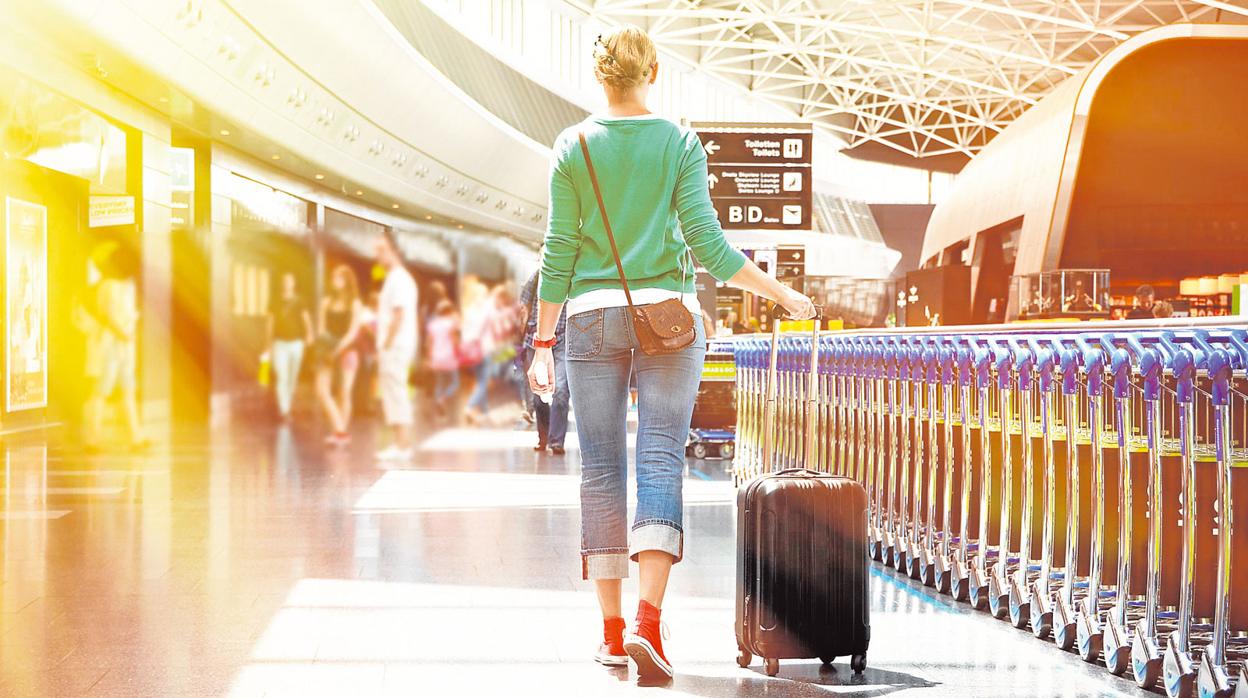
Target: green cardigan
{"type": "Point", "coordinates": [654, 184]}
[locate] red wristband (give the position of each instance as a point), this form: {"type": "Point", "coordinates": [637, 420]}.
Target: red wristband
{"type": "Point", "coordinates": [544, 343]}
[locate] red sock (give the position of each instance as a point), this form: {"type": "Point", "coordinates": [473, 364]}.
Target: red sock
{"type": "Point", "coordinates": [613, 635]}
{"type": "Point", "coordinates": [648, 626]}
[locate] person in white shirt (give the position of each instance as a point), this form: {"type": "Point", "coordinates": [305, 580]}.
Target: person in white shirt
{"type": "Point", "coordinates": [396, 347]}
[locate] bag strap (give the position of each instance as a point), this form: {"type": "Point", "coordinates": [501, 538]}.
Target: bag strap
{"type": "Point", "coordinates": [606, 223]}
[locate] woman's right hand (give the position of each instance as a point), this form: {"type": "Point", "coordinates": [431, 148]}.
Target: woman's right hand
{"type": "Point", "coordinates": [797, 305]}
{"type": "Point", "coordinates": [542, 371]}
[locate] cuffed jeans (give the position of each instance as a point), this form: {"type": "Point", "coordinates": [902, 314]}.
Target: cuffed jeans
{"type": "Point", "coordinates": [602, 353]}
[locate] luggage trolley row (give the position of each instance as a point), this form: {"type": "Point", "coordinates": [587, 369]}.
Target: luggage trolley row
{"type": "Point", "coordinates": [1090, 486]}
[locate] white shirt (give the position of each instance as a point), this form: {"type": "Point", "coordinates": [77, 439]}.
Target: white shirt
{"type": "Point", "coordinates": [397, 292]}
{"type": "Point", "coordinates": [615, 298]}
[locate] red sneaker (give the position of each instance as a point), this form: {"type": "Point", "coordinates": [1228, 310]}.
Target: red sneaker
{"type": "Point", "coordinates": [645, 645]}
{"type": "Point", "coordinates": [611, 651]}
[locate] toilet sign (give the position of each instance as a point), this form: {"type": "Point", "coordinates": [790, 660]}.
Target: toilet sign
{"type": "Point", "coordinates": [759, 175]}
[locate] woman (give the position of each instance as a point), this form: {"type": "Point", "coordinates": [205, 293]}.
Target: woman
{"type": "Point", "coordinates": [443, 336]}
{"type": "Point", "coordinates": [494, 323]}
{"type": "Point", "coordinates": [289, 327]}
{"type": "Point", "coordinates": [653, 177]}
{"type": "Point", "coordinates": [112, 347]}
{"type": "Point", "coordinates": [339, 323]}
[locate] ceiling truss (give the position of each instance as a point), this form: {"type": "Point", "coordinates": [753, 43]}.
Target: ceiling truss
{"type": "Point", "coordinates": [924, 77]}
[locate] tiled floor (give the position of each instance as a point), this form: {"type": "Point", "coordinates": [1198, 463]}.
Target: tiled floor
{"type": "Point", "coordinates": [251, 562]}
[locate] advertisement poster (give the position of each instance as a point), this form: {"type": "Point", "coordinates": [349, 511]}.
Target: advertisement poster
{"type": "Point", "coordinates": [26, 293]}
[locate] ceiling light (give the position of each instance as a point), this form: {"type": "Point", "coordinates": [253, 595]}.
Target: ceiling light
{"type": "Point", "coordinates": [320, 176]}
{"type": "Point", "coordinates": [162, 100]}
{"type": "Point", "coordinates": [225, 132]}
{"type": "Point", "coordinates": [359, 192]}
{"type": "Point", "coordinates": [394, 205]}
{"type": "Point", "coordinates": [428, 218]}
{"type": "Point", "coordinates": [460, 226]}
{"type": "Point", "coordinates": [276, 156]}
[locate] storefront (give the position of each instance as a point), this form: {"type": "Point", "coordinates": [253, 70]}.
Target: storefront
{"type": "Point", "coordinates": [68, 189]}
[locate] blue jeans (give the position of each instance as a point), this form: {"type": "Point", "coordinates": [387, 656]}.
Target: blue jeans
{"type": "Point", "coordinates": [552, 419]}
{"type": "Point", "coordinates": [602, 353]}
{"type": "Point", "coordinates": [480, 398]}
{"type": "Point", "coordinates": [446, 384]}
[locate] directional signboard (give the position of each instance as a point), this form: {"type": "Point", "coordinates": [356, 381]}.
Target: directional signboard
{"type": "Point", "coordinates": [759, 175]}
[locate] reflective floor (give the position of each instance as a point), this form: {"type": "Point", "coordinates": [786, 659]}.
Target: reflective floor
{"type": "Point", "coordinates": [252, 562]}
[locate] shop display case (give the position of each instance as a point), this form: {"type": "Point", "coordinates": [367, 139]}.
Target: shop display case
{"type": "Point", "coordinates": [1062, 293]}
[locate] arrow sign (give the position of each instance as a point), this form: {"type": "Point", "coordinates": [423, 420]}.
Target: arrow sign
{"type": "Point", "coordinates": [711, 148]}
{"type": "Point", "coordinates": [712, 180]}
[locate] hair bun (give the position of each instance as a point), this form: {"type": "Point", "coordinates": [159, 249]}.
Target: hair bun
{"type": "Point", "coordinates": [624, 57]}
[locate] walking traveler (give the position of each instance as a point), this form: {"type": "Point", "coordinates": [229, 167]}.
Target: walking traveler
{"type": "Point", "coordinates": [628, 201]}
{"type": "Point", "coordinates": [551, 417]}
{"type": "Point", "coordinates": [111, 353]}
{"type": "Point", "coordinates": [442, 337]}
{"type": "Point", "coordinates": [289, 331]}
{"type": "Point", "coordinates": [396, 347]}
{"type": "Point", "coordinates": [341, 317]}
{"type": "Point", "coordinates": [495, 323]}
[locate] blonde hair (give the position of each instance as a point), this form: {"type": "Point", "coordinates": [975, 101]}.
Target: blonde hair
{"type": "Point", "coordinates": [624, 57]}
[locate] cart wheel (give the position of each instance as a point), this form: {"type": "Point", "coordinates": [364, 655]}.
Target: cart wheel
{"type": "Point", "coordinates": [744, 658]}
{"type": "Point", "coordinates": [858, 663]}
{"type": "Point", "coordinates": [699, 450]}
{"type": "Point", "coordinates": [726, 451]}
{"type": "Point", "coordinates": [772, 665]}
{"type": "Point", "coordinates": [827, 660]}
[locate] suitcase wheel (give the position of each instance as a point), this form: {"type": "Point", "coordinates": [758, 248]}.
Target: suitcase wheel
{"type": "Point", "coordinates": [744, 657]}
{"type": "Point", "coordinates": [773, 666]}
{"type": "Point", "coordinates": [827, 660]}
{"type": "Point", "coordinates": [858, 663]}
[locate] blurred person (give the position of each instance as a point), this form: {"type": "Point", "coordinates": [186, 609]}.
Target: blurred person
{"type": "Point", "coordinates": [1145, 296]}
{"type": "Point", "coordinates": [1163, 309]}
{"type": "Point", "coordinates": [289, 331]}
{"type": "Point", "coordinates": [551, 417]}
{"type": "Point", "coordinates": [396, 346]}
{"type": "Point", "coordinates": [340, 320]}
{"type": "Point", "coordinates": [495, 322]}
{"type": "Point", "coordinates": [111, 352]}
{"type": "Point", "coordinates": [443, 347]}
{"type": "Point", "coordinates": [653, 177]}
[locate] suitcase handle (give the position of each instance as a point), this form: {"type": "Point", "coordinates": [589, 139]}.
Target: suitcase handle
{"type": "Point", "coordinates": [803, 471]}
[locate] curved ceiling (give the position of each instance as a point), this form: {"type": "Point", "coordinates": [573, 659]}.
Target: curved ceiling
{"type": "Point", "coordinates": [922, 77]}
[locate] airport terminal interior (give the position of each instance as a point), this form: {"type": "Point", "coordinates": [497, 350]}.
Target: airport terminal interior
{"type": "Point", "coordinates": [920, 367]}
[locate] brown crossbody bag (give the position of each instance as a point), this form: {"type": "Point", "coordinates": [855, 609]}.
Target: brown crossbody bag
{"type": "Point", "coordinates": [661, 328]}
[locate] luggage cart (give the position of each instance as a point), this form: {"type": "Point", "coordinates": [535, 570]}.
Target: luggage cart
{"type": "Point", "coordinates": [1078, 539]}
{"type": "Point", "coordinates": [1146, 656]}
{"type": "Point", "coordinates": [1127, 609]}
{"type": "Point", "coordinates": [1006, 562]}
{"type": "Point", "coordinates": [712, 428]}
{"type": "Point", "coordinates": [927, 484]}
{"type": "Point", "coordinates": [981, 570]}
{"type": "Point", "coordinates": [1040, 594]}
{"type": "Point", "coordinates": [951, 450]}
{"type": "Point", "coordinates": [960, 567]}
{"type": "Point", "coordinates": [1222, 667]}
{"type": "Point", "coordinates": [895, 368]}
{"type": "Point", "coordinates": [1179, 665]}
{"type": "Point", "coordinates": [1026, 570]}
{"type": "Point", "coordinates": [1088, 630]}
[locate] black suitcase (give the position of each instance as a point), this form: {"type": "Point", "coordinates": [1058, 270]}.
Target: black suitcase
{"type": "Point", "coordinates": [801, 562]}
